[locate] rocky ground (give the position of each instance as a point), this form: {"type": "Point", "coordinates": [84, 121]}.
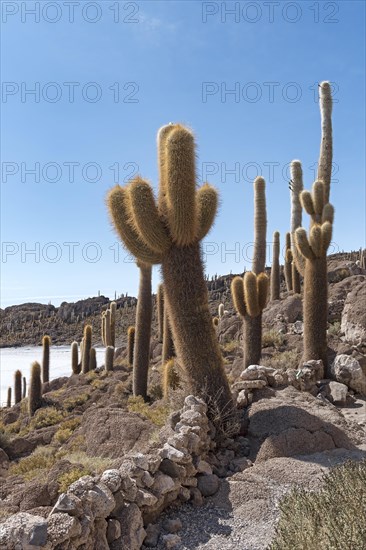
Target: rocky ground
{"type": "Point", "coordinates": [294, 424]}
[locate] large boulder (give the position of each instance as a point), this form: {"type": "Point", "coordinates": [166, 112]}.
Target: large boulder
{"type": "Point", "coordinates": [289, 309]}
{"type": "Point", "coordinates": [23, 531]}
{"type": "Point", "coordinates": [111, 432]}
{"type": "Point", "coordinates": [293, 423]}
{"type": "Point", "coordinates": [347, 370]}
{"type": "Point", "coordinates": [354, 315]}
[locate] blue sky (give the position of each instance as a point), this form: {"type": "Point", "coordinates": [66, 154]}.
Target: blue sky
{"type": "Point", "coordinates": [107, 81]}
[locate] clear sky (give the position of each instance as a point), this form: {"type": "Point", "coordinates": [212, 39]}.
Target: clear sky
{"type": "Point", "coordinates": [106, 75]}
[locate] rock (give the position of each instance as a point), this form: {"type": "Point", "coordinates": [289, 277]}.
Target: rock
{"type": "Point", "coordinates": [242, 399]}
{"type": "Point", "coordinates": [172, 525]}
{"type": "Point", "coordinates": [132, 528]}
{"type": "Point", "coordinates": [145, 498]}
{"type": "Point", "coordinates": [100, 534]}
{"type": "Point", "coordinates": [196, 496]}
{"type": "Point", "coordinates": [162, 484]}
{"type": "Point", "coordinates": [171, 468]}
{"type": "Point", "coordinates": [23, 531]}
{"type": "Point", "coordinates": [290, 309]}
{"type": "Point", "coordinates": [298, 327]}
{"type": "Point", "coordinates": [128, 488]}
{"type": "Point", "coordinates": [69, 504]}
{"type": "Point", "coordinates": [203, 467]}
{"type": "Point", "coordinates": [147, 479]}
{"type": "Point", "coordinates": [353, 322]}
{"type": "Point", "coordinates": [337, 393]}
{"type": "Point", "coordinates": [250, 384]}
{"type": "Point", "coordinates": [113, 530]}
{"type": "Point", "coordinates": [253, 372]}
{"type": "Point", "coordinates": [4, 463]}
{"type": "Point", "coordinates": [62, 527]}
{"type": "Point", "coordinates": [112, 479]}
{"type": "Point", "coordinates": [347, 370]}
{"type": "Point", "coordinates": [173, 454]}
{"type": "Point", "coordinates": [171, 541]}
{"type": "Point", "coordinates": [126, 431]}
{"type": "Point", "coordinates": [152, 535]}
{"type": "Point", "coordinates": [208, 484]}
{"type": "Point", "coordinates": [141, 461]}
{"type": "Point", "coordinates": [309, 374]}
{"type": "Point", "coordinates": [101, 500]}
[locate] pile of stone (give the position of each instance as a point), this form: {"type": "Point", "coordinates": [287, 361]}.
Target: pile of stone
{"type": "Point", "coordinates": [114, 507]}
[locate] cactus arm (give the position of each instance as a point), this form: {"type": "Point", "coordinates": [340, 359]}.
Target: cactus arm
{"type": "Point", "coordinates": [117, 203]}
{"type": "Point", "coordinates": [328, 213]}
{"type": "Point", "coordinates": [307, 202]}
{"type": "Point", "coordinates": [326, 236]}
{"type": "Point", "coordinates": [251, 294]}
{"type": "Point", "coordinates": [144, 217]}
{"type": "Point", "coordinates": [207, 202]}
{"type": "Point", "coordinates": [318, 198]}
{"type": "Point", "coordinates": [181, 186]}
{"type": "Point", "coordinates": [326, 146]}
{"type": "Point", "coordinates": [302, 244]}
{"type": "Point", "coordinates": [237, 292]}
{"type": "Point", "coordinates": [262, 290]}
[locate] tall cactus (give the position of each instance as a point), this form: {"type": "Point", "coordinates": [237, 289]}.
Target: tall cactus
{"type": "Point", "coordinates": [160, 310]}
{"type": "Point", "coordinates": [313, 246]}
{"type": "Point", "coordinates": [288, 263]}
{"type": "Point", "coordinates": [87, 343]}
{"type": "Point", "coordinates": [130, 345]}
{"type": "Point", "coordinates": [24, 393]}
{"type": "Point", "coordinates": [109, 356]}
{"type": "Point", "coordinates": [46, 342]}
{"type": "Point", "coordinates": [169, 233]}
{"type": "Point", "coordinates": [275, 271]}
{"type": "Point", "coordinates": [108, 327]}
{"type": "Point", "coordinates": [75, 366]}
{"type": "Point", "coordinates": [8, 399]}
{"type": "Point", "coordinates": [35, 389]}
{"type": "Point", "coordinates": [92, 359]}
{"type": "Point", "coordinates": [141, 358]}
{"type": "Point", "coordinates": [17, 386]}
{"type": "Point", "coordinates": [251, 291]}
{"type": "Point", "coordinates": [298, 264]}
{"type": "Point", "coordinates": [113, 309]}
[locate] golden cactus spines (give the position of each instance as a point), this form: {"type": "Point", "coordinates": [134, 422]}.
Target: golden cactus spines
{"type": "Point", "coordinates": [75, 366]}
{"type": "Point", "coordinates": [181, 186]}
{"type": "Point", "coordinates": [87, 344]}
{"type": "Point", "coordinates": [316, 240]}
{"type": "Point", "coordinates": [35, 389]}
{"type": "Point", "coordinates": [262, 290]}
{"type": "Point", "coordinates": [326, 144]}
{"type": "Point", "coordinates": [109, 357]}
{"type": "Point", "coordinates": [251, 294]}
{"type": "Point", "coordinates": [237, 292]}
{"type": "Point", "coordinates": [171, 379]}
{"type": "Point", "coordinates": [207, 203]}
{"type": "Point", "coordinates": [328, 213]}
{"type": "Point", "coordinates": [17, 386]}
{"type": "Point", "coordinates": [46, 342]}
{"type": "Point", "coordinates": [318, 198]}
{"type": "Point", "coordinates": [303, 245]}
{"type": "Point", "coordinates": [307, 203]}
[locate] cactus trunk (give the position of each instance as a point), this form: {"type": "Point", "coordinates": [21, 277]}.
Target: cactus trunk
{"type": "Point", "coordinates": [168, 345]}
{"type": "Point", "coordinates": [35, 389]}
{"type": "Point", "coordinates": [46, 359]}
{"type": "Point", "coordinates": [296, 284]}
{"type": "Point", "coordinates": [160, 308]}
{"type": "Point", "coordinates": [252, 342]}
{"type": "Point", "coordinates": [143, 333]}
{"type": "Point", "coordinates": [87, 342]}
{"type": "Point", "coordinates": [24, 387]}
{"type": "Point", "coordinates": [18, 386]}
{"type": "Point", "coordinates": [75, 358]}
{"type": "Point", "coordinates": [191, 322]}
{"type": "Point", "coordinates": [8, 400]}
{"type": "Point", "coordinates": [315, 310]}
{"type": "Point", "coordinates": [275, 271]}
{"type": "Point", "coordinates": [130, 345]}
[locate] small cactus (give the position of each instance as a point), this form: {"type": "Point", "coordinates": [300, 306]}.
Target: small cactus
{"type": "Point", "coordinates": [75, 365]}
{"type": "Point", "coordinates": [35, 389]}
{"type": "Point", "coordinates": [87, 343]}
{"type": "Point", "coordinates": [8, 400]}
{"type": "Point", "coordinates": [92, 360]}
{"type": "Point", "coordinates": [215, 322]}
{"type": "Point", "coordinates": [109, 356]}
{"type": "Point", "coordinates": [171, 380]}
{"type": "Point", "coordinates": [275, 271]}
{"type": "Point", "coordinates": [46, 342]}
{"type": "Point", "coordinates": [221, 311]}
{"type": "Point", "coordinates": [17, 386]}
{"type": "Point", "coordinates": [130, 345]}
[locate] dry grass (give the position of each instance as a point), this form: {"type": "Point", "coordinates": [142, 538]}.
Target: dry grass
{"type": "Point", "coordinates": [42, 459]}
{"type": "Point", "coordinates": [156, 413]}
{"type": "Point", "coordinates": [332, 519]}
{"type": "Point", "coordinates": [65, 480]}
{"type": "Point", "coordinates": [71, 402]}
{"type": "Point", "coordinates": [272, 338]}
{"type": "Point", "coordinates": [283, 360]}
{"type": "Point", "coordinates": [230, 346]}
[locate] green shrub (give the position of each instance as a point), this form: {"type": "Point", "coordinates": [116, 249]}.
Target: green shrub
{"type": "Point", "coordinates": [71, 402]}
{"type": "Point", "coordinates": [48, 416]}
{"type": "Point", "coordinates": [62, 435]}
{"type": "Point", "coordinates": [66, 479]}
{"type": "Point", "coordinates": [283, 360]}
{"type": "Point", "coordinates": [42, 458]}
{"type": "Point", "coordinates": [157, 414]}
{"type": "Point", "coordinates": [272, 338]}
{"type": "Point", "coordinates": [332, 519]}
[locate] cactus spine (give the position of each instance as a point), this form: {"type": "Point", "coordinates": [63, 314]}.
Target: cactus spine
{"type": "Point", "coordinates": [8, 399]}
{"type": "Point", "coordinates": [109, 356]}
{"type": "Point", "coordinates": [275, 271]}
{"type": "Point", "coordinates": [24, 394]}
{"type": "Point", "coordinates": [312, 246]}
{"type": "Point", "coordinates": [288, 263]}
{"type": "Point", "coordinates": [160, 308]}
{"type": "Point", "coordinates": [169, 233]}
{"type": "Point", "coordinates": [143, 332]}
{"type": "Point", "coordinates": [251, 291]}
{"type": "Point", "coordinates": [87, 342]}
{"type": "Point", "coordinates": [92, 360]}
{"type": "Point", "coordinates": [75, 366]}
{"type": "Point", "coordinates": [17, 386]}
{"type": "Point", "coordinates": [46, 341]}
{"type": "Point", "coordinates": [170, 377]}
{"type": "Point", "coordinates": [130, 345]}
{"type": "Point", "coordinates": [35, 389]}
